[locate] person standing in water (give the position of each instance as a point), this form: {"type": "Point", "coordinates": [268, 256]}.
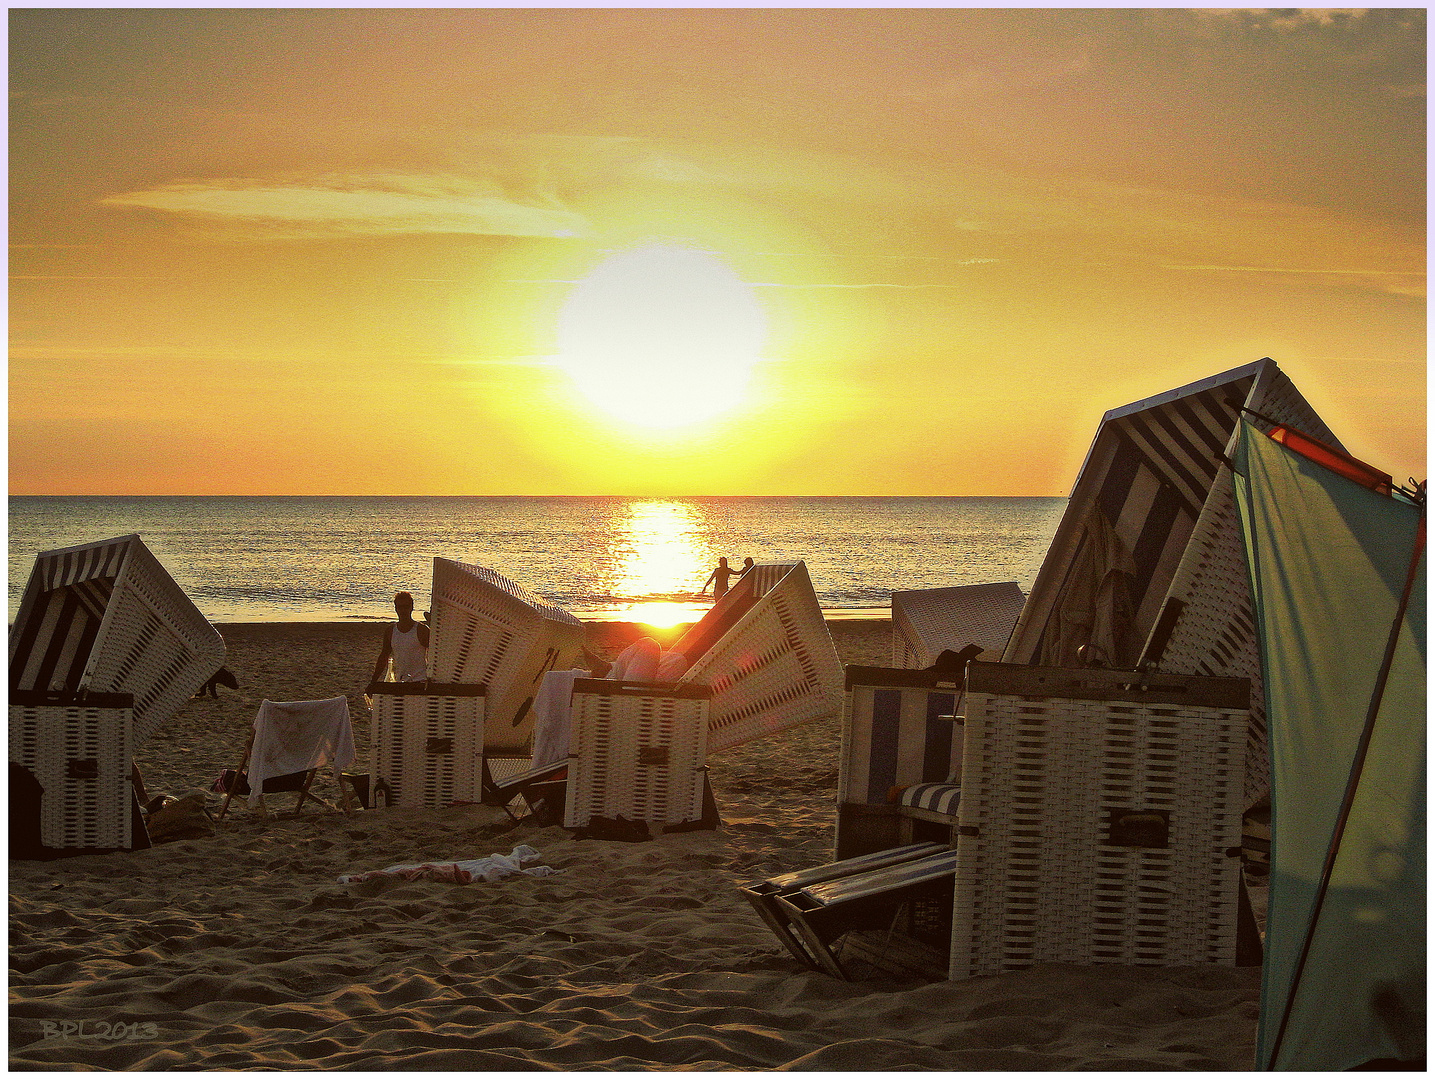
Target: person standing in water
{"type": "Point", "coordinates": [407, 642]}
{"type": "Point", "coordinates": [718, 579]}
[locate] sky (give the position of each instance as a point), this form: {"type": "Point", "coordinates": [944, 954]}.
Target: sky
{"type": "Point", "coordinates": [653, 252]}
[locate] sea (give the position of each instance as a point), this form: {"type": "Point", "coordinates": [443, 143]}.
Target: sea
{"type": "Point", "coordinates": [308, 559]}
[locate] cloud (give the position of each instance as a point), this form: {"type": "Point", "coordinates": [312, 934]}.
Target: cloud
{"type": "Point", "coordinates": [1396, 282]}
{"type": "Point", "coordinates": [377, 204]}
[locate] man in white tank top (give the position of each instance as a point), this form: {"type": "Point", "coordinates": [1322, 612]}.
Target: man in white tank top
{"type": "Point", "coordinates": [406, 642]}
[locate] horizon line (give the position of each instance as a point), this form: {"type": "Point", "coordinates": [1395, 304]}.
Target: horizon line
{"type": "Point", "coordinates": [255, 495]}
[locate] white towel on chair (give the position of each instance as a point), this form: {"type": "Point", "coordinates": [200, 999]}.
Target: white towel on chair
{"type": "Point", "coordinates": [553, 716]}
{"type": "Point", "coordinates": [296, 736]}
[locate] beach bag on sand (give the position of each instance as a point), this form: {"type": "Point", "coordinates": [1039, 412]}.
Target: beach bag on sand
{"type": "Point", "coordinates": [185, 818]}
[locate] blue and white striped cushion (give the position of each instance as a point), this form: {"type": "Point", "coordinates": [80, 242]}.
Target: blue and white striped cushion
{"type": "Point", "coordinates": [938, 798]}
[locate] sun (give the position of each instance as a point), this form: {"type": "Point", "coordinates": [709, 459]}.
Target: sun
{"type": "Point", "coordinates": [662, 336]}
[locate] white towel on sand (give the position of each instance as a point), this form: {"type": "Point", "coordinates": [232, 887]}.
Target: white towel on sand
{"type": "Point", "coordinates": [462, 871]}
{"type": "Point", "coordinates": [296, 736]}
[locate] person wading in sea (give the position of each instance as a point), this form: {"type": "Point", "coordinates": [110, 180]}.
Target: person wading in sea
{"type": "Point", "coordinates": [718, 579]}
{"type": "Point", "coordinates": [407, 642]}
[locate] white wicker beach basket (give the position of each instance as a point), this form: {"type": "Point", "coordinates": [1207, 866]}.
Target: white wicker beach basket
{"type": "Point", "coordinates": [80, 755]}
{"type": "Point", "coordinates": [638, 750]}
{"type": "Point", "coordinates": [107, 618]}
{"type": "Point", "coordinates": [1097, 816]}
{"type": "Point", "coordinates": [426, 744]}
{"type": "Point", "coordinates": [486, 629]}
{"type": "Point", "coordinates": [775, 667]}
{"type": "Point", "coordinates": [927, 621]}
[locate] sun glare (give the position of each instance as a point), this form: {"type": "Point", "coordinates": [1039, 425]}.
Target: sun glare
{"type": "Point", "coordinates": [660, 555]}
{"type": "Point", "coordinates": [662, 336]}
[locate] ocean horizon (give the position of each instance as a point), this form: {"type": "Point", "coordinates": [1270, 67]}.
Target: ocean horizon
{"type": "Point", "coordinates": [341, 558]}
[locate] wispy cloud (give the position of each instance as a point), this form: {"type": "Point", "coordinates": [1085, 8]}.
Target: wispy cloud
{"type": "Point", "coordinates": [858, 285]}
{"type": "Point", "coordinates": [1396, 282]}
{"type": "Point", "coordinates": [1295, 270]}
{"type": "Point", "coordinates": [378, 204]}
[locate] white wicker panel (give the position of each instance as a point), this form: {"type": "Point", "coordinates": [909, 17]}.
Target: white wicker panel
{"type": "Point", "coordinates": [776, 668]}
{"type": "Point", "coordinates": [418, 773]}
{"type": "Point", "coordinates": [1037, 880]}
{"type": "Point", "coordinates": [152, 642]}
{"type": "Point", "coordinates": [641, 756]}
{"type": "Point", "coordinates": [927, 621]}
{"type": "Point", "coordinates": [77, 812]}
{"type": "Point", "coordinates": [1215, 633]}
{"type": "Point", "coordinates": [487, 629]}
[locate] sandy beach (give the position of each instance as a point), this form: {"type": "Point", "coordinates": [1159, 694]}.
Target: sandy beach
{"type": "Point", "coordinates": [241, 949]}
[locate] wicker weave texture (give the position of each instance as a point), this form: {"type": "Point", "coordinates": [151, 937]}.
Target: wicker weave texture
{"type": "Point", "coordinates": [1215, 633]}
{"type": "Point", "coordinates": [487, 629]}
{"type": "Point", "coordinates": [641, 756]}
{"type": "Point", "coordinates": [776, 668]}
{"type": "Point", "coordinates": [81, 757]}
{"type": "Point", "coordinates": [428, 748]}
{"type": "Point", "coordinates": [927, 621]}
{"type": "Point", "coordinates": [135, 633]}
{"type": "Point", "coordinates": [1042, 876]}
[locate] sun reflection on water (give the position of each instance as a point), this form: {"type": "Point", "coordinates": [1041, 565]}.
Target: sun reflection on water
{"type": "Point", "coordinates": [660, 557]}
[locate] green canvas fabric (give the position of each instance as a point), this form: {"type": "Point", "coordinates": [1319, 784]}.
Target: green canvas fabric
{"type": "Point", "coordinates": [1329, 560]}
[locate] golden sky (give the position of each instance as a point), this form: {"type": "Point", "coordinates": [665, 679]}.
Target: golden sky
{"type": "Point", "coordinates": [694, 252]}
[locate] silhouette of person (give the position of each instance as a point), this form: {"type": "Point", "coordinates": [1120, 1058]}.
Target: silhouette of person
{"type": "Point", "coordinates": [407, 642]}
{"type": "Point", "coordinates": [747, 565]}
{"type": "Point", "coordinates": [718, 579]}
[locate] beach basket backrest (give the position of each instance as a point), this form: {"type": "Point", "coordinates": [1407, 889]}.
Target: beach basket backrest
{"type": "Point", "coordinates": [774, 667]}
{"type": "Point", "coordinates": [108, 618]}
{"type": "Point", "coordinates": [1150, 544]}
{"type": "Point", "coordinates": [1206, 625]}
{"type": "Point", "coordinates": [488, 630]}
{"type": "Point", "coordinates": [927, 621]}
{"type": "Point", "coordinates": [897, 734]}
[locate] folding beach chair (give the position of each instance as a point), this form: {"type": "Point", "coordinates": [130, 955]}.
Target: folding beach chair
{"type": "Point", "coordinates": [105, 648]}
{"type": "Point", "coordinates": [764, 896]}
{"type": "Point", "coordinates": [290, 741]}
{"type": "Point", "coordinates": [927, 622]}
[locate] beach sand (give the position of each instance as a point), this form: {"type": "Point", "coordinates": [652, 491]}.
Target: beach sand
{"type": "Point", "coordinates": [241, 950]}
